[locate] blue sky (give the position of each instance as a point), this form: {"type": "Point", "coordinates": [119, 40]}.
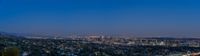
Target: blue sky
{"type": "Point", "coordinates": [141, 17]}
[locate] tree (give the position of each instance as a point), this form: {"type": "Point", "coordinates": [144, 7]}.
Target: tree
{"type": "Point", "coordinates": [11, 51]}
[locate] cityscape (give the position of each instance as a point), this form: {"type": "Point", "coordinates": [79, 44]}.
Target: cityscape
{"type": "Point", "coordinates": [99, 27]}
{"type": "Point", "coordinates": [98, 45]}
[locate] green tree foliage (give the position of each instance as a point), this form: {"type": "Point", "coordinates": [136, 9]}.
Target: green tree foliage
{"type": "Point", "coordinates": [11, 51]}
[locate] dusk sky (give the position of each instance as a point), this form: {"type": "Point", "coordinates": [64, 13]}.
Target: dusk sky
{"type": "Point", "coordinates": [140, 17]}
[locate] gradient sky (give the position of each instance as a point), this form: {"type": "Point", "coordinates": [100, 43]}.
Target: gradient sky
{"type": "Point", "coordinates": [141, 17]}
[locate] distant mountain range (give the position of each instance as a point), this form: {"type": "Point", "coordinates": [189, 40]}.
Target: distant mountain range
{"type": "Point", "coordinates": [10, 35]}
{"type": "Point", "coordinates": [22, 34]}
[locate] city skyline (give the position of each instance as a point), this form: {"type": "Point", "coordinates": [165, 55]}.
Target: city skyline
{"type": "Point", "coordinates": [141, 17]}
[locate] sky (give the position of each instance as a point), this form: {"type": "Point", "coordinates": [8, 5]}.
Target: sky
{"type": "Point", "coordinates": [140, 17]}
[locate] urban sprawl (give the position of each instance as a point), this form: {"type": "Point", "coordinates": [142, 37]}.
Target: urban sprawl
{"type": "Point", "coordinates": [98, 45]}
